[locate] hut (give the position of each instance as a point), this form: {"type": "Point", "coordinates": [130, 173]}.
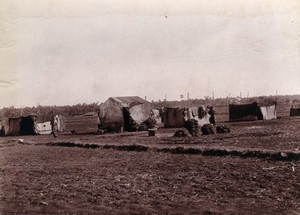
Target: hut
{"type": "Point", "coordinates": [251, 112]}
{"type": "Point", "coordinates": [24, 125]}
{"type": "Point", "coordinates": [124, 113]}
{"type": "Point", "coordinates": [295, 111]}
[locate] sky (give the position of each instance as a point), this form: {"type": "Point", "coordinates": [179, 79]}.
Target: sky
{"type": "Point", "coordinates": [65, 52]}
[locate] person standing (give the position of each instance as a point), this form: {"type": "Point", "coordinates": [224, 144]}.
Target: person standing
{"type": "Point", "coordinates": [54, 125]}
{"type": "Point", "coordinates": [211, 112]}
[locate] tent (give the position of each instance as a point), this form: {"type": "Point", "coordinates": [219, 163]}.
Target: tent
{"type": "Point", "coordinates": [124, 113]}
{"type": "Point", "coordinates": [245, 112]}
{"type": "Point", "coordinates": [251, 112]}
{"type": "Point", "coordinates": [295, 111]}
{"type": "Point", "coordinates": [268, 112]}
{"type": "Point", "coordinates": [21, 126]}
{"type": "Point", "coordinates": [44, 128]}
{"type": "Point", "coordinates": [174, 117]}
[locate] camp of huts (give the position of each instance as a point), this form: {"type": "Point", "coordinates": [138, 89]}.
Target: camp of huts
{"type": "Point", "coordinates": [132, 113]}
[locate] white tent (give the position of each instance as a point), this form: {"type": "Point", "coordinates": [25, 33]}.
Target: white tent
{"type": "Point", "coordinates": [44, 128]}
{"type": "Point", "coordinates": [268, 112]}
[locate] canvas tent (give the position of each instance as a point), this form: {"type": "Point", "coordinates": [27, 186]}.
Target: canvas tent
{"type": "Point", "coordinates": [174, 117]}
{"type": "Point", "coordinates": [294, 111]}
{"type": "Point", "coordinates": [21, 126]}
{"type": "Point", "coordinates": [251, 112]}
{"type": "Point", "coordinates": [124, 113]}
{"type": "Point", "coordinates": [268, 112]}
{"type": "Point", "coordinates": [44, 128]}
{"type": "Point", "coordinates": [245, 112]}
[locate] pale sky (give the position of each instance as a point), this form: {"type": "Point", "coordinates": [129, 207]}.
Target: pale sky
{"type": "Point", "coordinates": [65, 52]}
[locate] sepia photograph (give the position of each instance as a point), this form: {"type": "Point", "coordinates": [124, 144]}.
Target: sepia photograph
{"type": "Point", "coordinates": [150, 107]}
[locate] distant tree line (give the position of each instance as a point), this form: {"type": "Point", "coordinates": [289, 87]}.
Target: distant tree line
{"type": "Point", "coordinates": [290, 99]}
{"type": "Point", "coordinates": [44, 113]}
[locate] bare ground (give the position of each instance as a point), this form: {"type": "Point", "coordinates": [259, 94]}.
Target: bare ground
{"type": "Point", "coordinates": [136, 174]}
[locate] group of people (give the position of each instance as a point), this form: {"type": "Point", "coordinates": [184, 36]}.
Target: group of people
{"type": "Point", "coordinates": [200, 113]}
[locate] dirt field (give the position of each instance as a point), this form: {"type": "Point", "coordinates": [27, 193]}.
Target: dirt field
{"type": "Point", "coordinates": [255, 169]}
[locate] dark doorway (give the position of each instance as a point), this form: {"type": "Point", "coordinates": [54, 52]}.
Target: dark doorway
{"type": "Point", "coordinates": [126, 118]}
{"type": "Point", "coordinates": [27, 126]}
